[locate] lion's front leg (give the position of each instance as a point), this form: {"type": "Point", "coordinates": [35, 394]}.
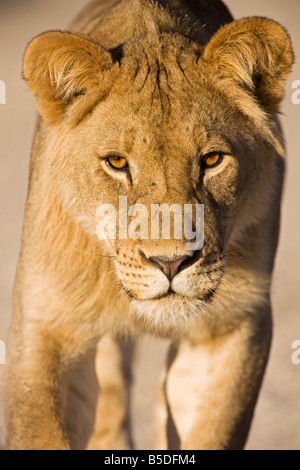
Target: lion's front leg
{"type": "Point", "coordinates": [33, 405]}
{"type": "Point", "coordinates": [113, 369]}
{"type": "Point", "coordinates": [212, 388]}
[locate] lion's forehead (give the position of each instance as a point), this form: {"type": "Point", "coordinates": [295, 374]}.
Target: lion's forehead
{"type": "Point", "coordinates": [159, 116]}
{"type": "Point", "coordinates": [149, 134]}
{"type": "Point", "coordinates": [163, 106]}
{"type": "Point", "coordinates": [166, 71]}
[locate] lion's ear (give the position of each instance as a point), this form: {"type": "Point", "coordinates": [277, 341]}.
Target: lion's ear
{"type": "Point", "coordinates": [256, 53]}
{"type": "Point", "coordinates": [59, 67]}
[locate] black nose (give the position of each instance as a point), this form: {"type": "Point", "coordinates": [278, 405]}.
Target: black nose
{"type": "Point", "coordinates": [172, 267]}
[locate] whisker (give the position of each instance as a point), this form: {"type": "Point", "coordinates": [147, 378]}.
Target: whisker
{"type": "Point", "coordinates": [230, 284]}
{"type": "Point", "coordinates": [110, 272]}
{"type": "Point", "coordinates": [213, 292]}
{"type": "Point", "coordinates": [228, 252]}
{"type": "Point", "coordinates": [93, 254]}
{"type": "Point", "coordinates": [231, 273]}
{"type": "Point", "coordinates": [227, 288]}
{"type": "Point", "coordinates": [122, 292]}
{"type": "Point", "coordinates": [244, 237]}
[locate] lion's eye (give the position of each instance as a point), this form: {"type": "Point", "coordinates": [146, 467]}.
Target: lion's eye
{"type": "Point", "coordinates": [212, 160]}
{"type": "Point", "coordinates": [117, 163]}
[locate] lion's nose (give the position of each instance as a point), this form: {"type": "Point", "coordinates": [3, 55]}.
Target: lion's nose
{"type": "Point", "coordinates": [169, 268]}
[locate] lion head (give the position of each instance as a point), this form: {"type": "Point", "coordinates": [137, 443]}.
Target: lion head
{"type": "Point", "coordinates": [162, 119]}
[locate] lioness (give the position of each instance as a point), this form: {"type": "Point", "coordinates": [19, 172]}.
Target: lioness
{"type": "Point", "coordinates": [163, 102]}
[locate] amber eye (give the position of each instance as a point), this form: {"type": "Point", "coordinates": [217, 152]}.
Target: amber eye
{"type": "Point", "coordinates": [212, 160]}
{"type": "Point", "coordinates": [117, 163]}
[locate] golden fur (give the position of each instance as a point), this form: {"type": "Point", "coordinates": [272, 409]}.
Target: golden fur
{"type": "Point", "coordinates": [134, 79]}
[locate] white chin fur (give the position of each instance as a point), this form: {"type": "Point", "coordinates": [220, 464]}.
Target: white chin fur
{"type": "Point", "coordinates": [172, 312]}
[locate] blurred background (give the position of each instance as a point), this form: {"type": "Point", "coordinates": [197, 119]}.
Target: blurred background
{"type": "Point", "coordinates": [277, 417]}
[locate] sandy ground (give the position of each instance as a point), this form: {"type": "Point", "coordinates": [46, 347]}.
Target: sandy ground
{"type": "Point", "coordinates": [276, 423]}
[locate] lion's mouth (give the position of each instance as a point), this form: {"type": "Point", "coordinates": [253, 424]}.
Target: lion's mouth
{"type": "Point", "coordinates": [171, 294]}
{"type": "Point", "coordinates": [197, 283]}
